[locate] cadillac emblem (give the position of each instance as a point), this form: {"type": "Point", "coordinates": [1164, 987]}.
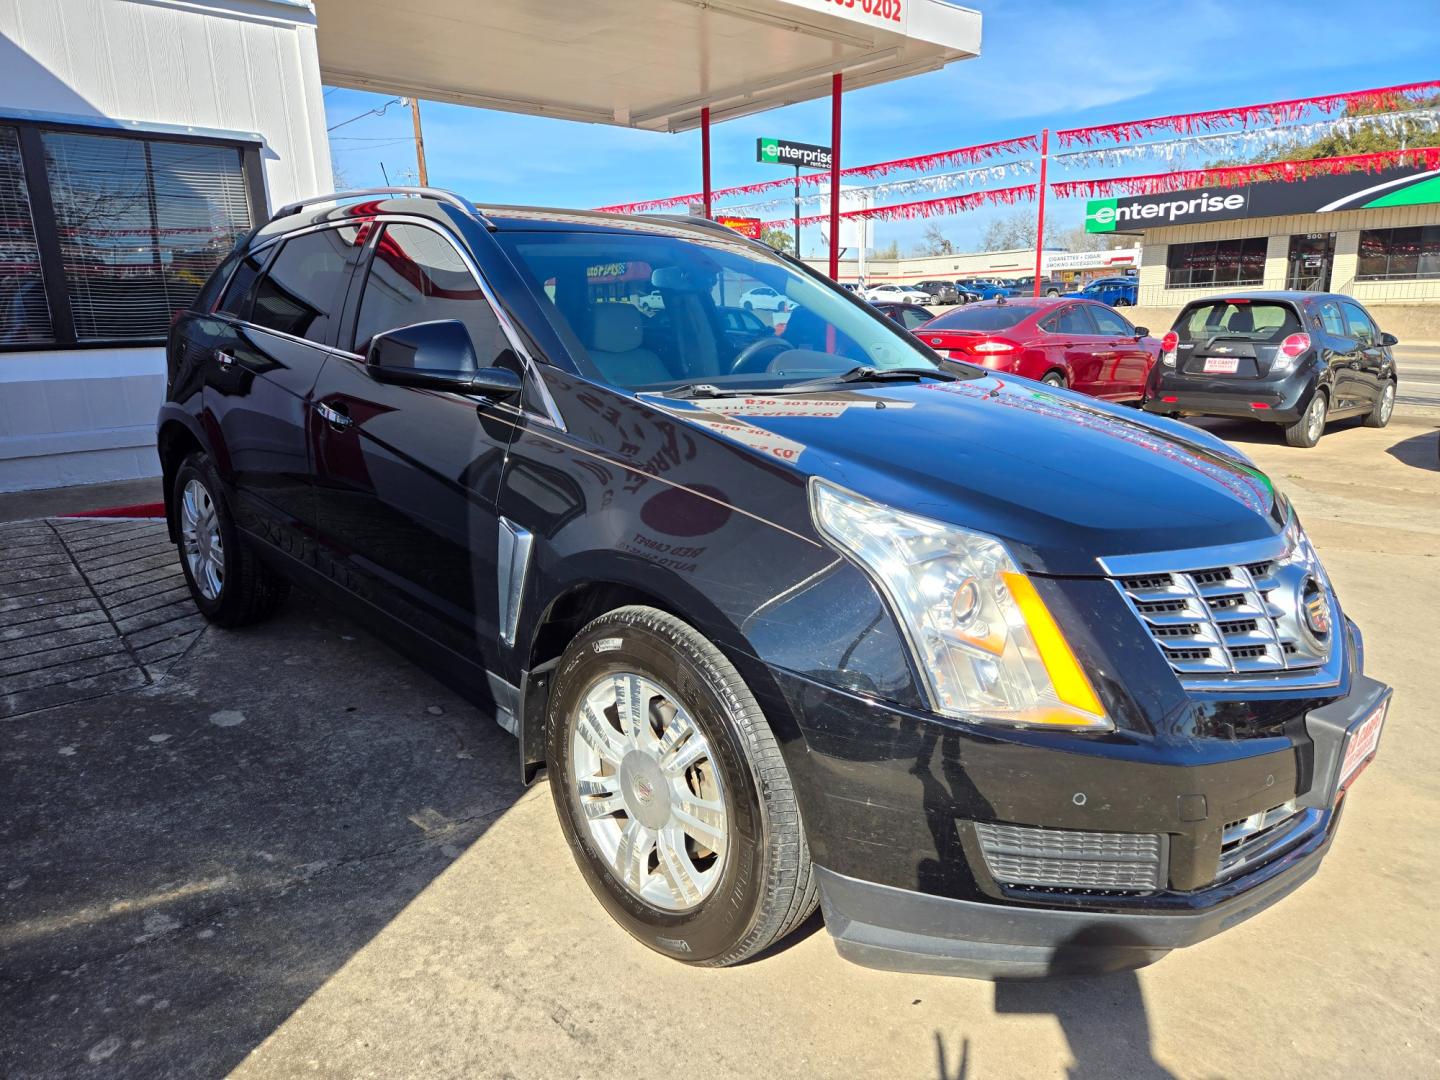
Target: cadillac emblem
{"type": "Point", "coordinates": [1317, 609]}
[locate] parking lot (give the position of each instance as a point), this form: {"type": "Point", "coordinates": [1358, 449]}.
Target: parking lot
{"type": "Point", "coordinates": [286, 851]}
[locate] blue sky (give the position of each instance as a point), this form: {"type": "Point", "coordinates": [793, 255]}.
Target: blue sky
{"type": "Point", "coordinates": [1044, 63]}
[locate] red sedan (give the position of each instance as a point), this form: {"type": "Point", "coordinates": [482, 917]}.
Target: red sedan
{"type": "Point", "coordinates": [1076, 343]}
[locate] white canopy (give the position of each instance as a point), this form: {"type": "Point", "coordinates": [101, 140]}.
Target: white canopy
{"type": "Point", "coordinates": [636, 63]}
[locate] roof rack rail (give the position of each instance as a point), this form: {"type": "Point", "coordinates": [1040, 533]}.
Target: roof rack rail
{"type": "Point", "coordinates": [441, 194]}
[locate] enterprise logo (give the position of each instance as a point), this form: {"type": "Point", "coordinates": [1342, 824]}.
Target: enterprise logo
{"type": "Point", "coordinates": [1103, 215]}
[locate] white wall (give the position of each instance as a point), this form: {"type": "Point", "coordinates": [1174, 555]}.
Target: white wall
{"type": "Point", "coordinates": [236, 66]}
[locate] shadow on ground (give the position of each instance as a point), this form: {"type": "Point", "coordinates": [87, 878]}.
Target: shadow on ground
{"type": "Point", "coordinates": [1420, 451]}
{"type": "Point", "coordinates": [185, 864]}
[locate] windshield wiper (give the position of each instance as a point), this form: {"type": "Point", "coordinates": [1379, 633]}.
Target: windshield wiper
{"type": "Point", "coordinates": [701, 390]}
{"type": "Point", "coordinates": [864, 374]}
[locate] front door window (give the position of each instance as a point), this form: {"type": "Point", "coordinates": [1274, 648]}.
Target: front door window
{"type": "Point", "coordinates": [1310, 257]}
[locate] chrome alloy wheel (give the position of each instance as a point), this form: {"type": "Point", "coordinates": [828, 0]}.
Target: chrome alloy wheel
{"type": "Point", "coordinates": [648, 786]}
{"type": "Point", "coordinates": [200, 533]}
{"type": "Point", "coordinates": [1387, 403]}
{"type": "Point", "coordinates": [1315, 417]}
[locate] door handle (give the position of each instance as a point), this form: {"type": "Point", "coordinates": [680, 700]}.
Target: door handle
{"type": "Point", "coordinates": [224, 358]}
{"type": "Point", "coordinates": [336, 418]}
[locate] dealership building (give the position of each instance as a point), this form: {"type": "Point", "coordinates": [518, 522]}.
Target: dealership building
{"type": "Point", "coordinates": [1373, 235]}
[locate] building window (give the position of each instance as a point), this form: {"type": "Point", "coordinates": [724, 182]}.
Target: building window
{"type": "Point", "coordinates": [1216, 262]}
{"type": "Point", "coordinates": [1399, 254]}
{"type": "Point", "coordinates": [105, 237]}
{"type": "Point", "coordinates": [24, 311]}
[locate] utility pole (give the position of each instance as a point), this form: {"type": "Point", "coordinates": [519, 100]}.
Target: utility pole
{"type": "Point", "coordinates": [414, 104]}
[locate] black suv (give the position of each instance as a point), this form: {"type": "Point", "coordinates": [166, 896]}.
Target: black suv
{"type": "Point", "coordinates": [1292, 358]}
{"type": "Point", "coordinates": [1007, 679]}
{"type": "Point", "coordinates": [944, 292]}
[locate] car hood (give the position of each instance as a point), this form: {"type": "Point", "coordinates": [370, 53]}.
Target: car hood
{"type": "Point", "coordinates": [1063, 479]}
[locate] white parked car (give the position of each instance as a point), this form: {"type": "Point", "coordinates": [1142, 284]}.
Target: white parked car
{"type": "Point", "coordinates": [763, 298]}
{"type": "Point", "coordinates": [899, 294]}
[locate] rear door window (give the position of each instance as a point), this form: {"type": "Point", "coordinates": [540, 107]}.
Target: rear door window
{"type": "Point", "coordinates": [1073, 320]}
{"type": "Point", "coordinates": [1331, 319]}
{"type": "Point", "coordinates": [302, 291]}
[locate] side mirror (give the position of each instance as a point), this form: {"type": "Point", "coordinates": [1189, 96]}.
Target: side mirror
{"type": "Point", "coordinates": [436, 356]}
{"type": "Point", "coordinates": [1142, 331]}
{"type": "Point", "coordinates": [1389, 340]}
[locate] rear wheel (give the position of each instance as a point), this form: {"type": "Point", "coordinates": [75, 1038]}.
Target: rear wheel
{"type": "Point", "coordinates": [672, 793]}
{"type": "Point", "coordinates": [1054, 378]}
{"type": "Point", "coordinates": [1122, 302]}
{"type": "Point", "coordinates": [228, 582]}
{"type": "Point", "coordinates": [1379, 416]}
{"type": "Point", "coordinates": [1306, 431]}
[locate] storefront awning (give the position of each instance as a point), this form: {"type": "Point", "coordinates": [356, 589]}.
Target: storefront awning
{"type": "Point", "coordinates": [651, 64]}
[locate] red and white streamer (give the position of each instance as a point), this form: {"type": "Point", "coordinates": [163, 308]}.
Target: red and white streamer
{"type": "Point", "coordinates": [1272, 112]}
{"type": "Point", "coordinates": [962, 155]}
{"type": "Point", "coordinates": [1236, 175]}
{"type": "Point", "coordinates": [953, 204]}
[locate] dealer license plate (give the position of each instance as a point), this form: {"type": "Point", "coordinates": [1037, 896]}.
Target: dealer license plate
{"type": "Point", "coordinates": [1360, 749]}
{"type": "Point", "coordinates": [1221, 365]}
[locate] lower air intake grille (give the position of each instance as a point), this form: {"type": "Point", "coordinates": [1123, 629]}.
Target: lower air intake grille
{"type": "Point", "coordinates": [1261, 837]}
{"type": "Point", "coordinates": [1060, 858]}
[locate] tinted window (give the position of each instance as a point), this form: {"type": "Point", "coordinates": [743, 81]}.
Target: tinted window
{"type": "Point", "coordinates": [913, 315]}
{"type": "Point", "coordinates": [1073, 320]}
{"type": "Point", "coordinates": [418, 276]}
{"type": "Point", "coordinates": [1361, 328]}
{"type": "Point", "coordinates": [1216, 262]}
{"type": "Point", "coordinates": [1111, 324]}
{"type": "Point", "coordinates": [1256, 320]}
{"type": "Point", "coordinates": [302, 291]}
{"type": "Point", "coordinates": [981, 318]}
{"type": "Point", "coordinates": [236, 300]}
{"type": "Point", "coordinates": [1389, 254]}
{"type": "Point", "coordinates": [1331, 320]}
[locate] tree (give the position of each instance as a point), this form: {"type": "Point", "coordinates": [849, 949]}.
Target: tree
{"type": "Point", "coordinates": [934, 242]}
{"type": "Point", "coordinates": [890, 251]}
{"type": "Point", "coordinates": [1017, 230]}
{"type": "Point", "coordinates": [779, 239]}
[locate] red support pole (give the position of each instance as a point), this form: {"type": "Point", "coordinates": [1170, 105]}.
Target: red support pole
{"type": "Point", "coordinates": [836, 84]}
{"type": "Point", "coordinates": [705, 154]}
{"type": "Point", "coordinates": [1040, 224]}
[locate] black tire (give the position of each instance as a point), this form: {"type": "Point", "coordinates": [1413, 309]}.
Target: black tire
{"type": "Point", "coordinates": [1306, 431]}
{"type": "Point", "coordinates": [1384, 406]}
{"type": "Point", "coordinates": [1055, 378]}
{"type": "Point", "coordinates": [765, 885]}
{"type": "Point", "coordinates": [1052, 292]}
{"type": "Point", "coordinates": [1120, 301]}
{"type": "Point", "coordinates": [249, 590]}
{"type": "Point", "coordinates": [749, 306]}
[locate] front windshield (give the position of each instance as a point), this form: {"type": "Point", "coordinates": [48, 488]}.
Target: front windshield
{"type": "Point", "coordinates": [596, 287]}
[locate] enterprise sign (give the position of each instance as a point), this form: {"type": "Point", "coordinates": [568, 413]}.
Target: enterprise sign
{"type": "Point", "coordinates": [1319, 195]}
{"type": "Point", "coordinates": [783, 152]}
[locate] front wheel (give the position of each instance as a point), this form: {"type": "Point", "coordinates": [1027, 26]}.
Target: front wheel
{"type": "Point", "coordinates": [672, 792]}
{"type": "Point", "coordinates": [1379, 416]}
{"type": "Point", "coordinates": [1306, 431]}
{"type": "Point", "coordinates": [1122, 302]}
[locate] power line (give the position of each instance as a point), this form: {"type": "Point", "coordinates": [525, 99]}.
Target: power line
{"type": "Point", "coordinates": [370, 112]}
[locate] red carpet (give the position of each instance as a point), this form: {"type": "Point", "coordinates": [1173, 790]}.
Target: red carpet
{"type": "Point", "coordinates": [143, 510]}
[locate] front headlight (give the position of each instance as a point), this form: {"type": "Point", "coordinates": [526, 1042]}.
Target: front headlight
{"type": "Point", "coordinates": [988, 647]}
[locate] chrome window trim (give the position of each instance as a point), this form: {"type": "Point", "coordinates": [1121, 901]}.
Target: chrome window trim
{"type": "Point", "coordinates": [550, 416]}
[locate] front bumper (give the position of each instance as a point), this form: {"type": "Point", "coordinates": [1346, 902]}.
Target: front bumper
{"type": "Point", "coordinates": [1280, 400]}
{"type": "Point", "coordinates": [891, 819]}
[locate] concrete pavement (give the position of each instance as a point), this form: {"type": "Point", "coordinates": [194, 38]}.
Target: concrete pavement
{"type": "Point", "coordinates": [291, 853]}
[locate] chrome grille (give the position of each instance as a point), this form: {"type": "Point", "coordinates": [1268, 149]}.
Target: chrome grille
{"type": "Point", "coordinates": [1241, 620]}
{"type": "Point", "coordinates": [1263, 836]}
{"type": "Point", "coordinates": [1063, 858]}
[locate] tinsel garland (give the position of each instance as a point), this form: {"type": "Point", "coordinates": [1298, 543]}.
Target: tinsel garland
{"type": "Point", "coordinates": [934, 183]}
{"type": "Point", "coordinates": [1249, 141]}
{"type": "Point", "coordinates": [952, 204]}
{"type": "Point", "coordinates": [963, 155]}
{"type": "Point", "coordinates": [1274, 112]}
{"type": "Point", "coordinates": [1234, 175]}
